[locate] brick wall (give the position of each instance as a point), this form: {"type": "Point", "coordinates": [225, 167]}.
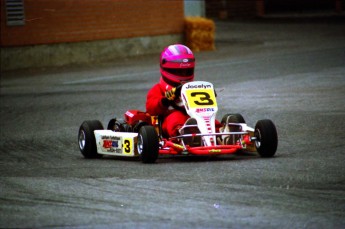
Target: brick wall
{"type": "Point", "coordinates": [58, 21]}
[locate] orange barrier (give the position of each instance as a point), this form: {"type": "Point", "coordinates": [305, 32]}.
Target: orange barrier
{"type": "Point", "coordinates": [199, 33]}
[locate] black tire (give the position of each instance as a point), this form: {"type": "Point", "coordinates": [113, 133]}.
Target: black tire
{"type": "Point", "coordinates": [266, 142]}
{"type": "Point", "coordinates": [127, 128]}
{"type": "Point", "coordinates": [115, 126]}
{"type": "Point", "coordinates": [148, 144]}
{"type": "Point", "coordinates": [86, 138]}
{"type": "Point", "coordinates": [137, 126]}
{"type": "Point", "coordinates": [236, 118]}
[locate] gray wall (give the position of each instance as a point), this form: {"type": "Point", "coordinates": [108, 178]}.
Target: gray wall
{"type": "Point", "coordinates": [194, 8]}
{"type": "Point", "coordinates": [36, 56]}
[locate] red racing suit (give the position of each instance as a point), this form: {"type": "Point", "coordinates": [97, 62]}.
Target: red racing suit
{"type": "Point", "coordinates": [173, 117]}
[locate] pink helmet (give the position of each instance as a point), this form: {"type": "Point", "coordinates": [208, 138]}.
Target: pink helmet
{"type": "Point", "coordinates": [177, 64]}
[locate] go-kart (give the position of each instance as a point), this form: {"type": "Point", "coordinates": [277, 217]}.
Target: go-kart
{"type": "Point", "coordinates": [140, 134]}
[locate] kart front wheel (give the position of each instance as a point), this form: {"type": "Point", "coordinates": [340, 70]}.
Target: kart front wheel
{"type": "Point", "coordinates": [148, 144]}
{"type": "Point", "coordinates": [86, 138]}
{"type": "Point", "coordinates": [266, 142]}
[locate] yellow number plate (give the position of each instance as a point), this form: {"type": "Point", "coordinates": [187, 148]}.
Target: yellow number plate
{"type": "Point", "coordinates": [127, 146]}
{"type": "Point", "coordinates": [201, 98]}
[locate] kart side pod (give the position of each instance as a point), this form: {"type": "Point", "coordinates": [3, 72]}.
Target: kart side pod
{"type": "Point", "coordinates": [116, 143]}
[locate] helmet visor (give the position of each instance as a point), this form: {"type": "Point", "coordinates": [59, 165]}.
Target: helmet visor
{"type": "Point", "coordinates": [184, 72]}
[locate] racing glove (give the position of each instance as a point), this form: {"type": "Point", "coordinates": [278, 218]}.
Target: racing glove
{"type": "Point", "coordinates": [173, 93]}
{"type": "Point", "coordinates": [170, 95]}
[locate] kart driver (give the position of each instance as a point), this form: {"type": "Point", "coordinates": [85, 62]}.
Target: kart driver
{"type": "Point", "coordinates": [177, 64]}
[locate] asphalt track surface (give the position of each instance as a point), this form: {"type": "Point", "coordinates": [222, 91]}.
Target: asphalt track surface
{"type": "Point", "coordinates": [290, 72]}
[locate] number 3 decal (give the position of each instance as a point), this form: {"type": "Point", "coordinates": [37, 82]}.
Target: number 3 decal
{"type": "Point", "coordinates": [204, 98]}
{"type": "Point", "coordinates": [201, 98]}
{"type": "Point", "coordinates": [127, 146]}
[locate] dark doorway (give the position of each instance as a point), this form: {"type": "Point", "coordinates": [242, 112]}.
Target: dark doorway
{"type": "Point", "coordinates": [276, 6]}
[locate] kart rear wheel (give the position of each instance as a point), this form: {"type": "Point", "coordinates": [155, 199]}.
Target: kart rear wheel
{"type": "Point", "coordinates": [266, 142]}
{"type": "Point", "coordinates": [148, 144]}
{"type": "Point", "coordinates": [236, 118]}
{"type": "Point", "coordinates": [86, 138]}
{"type": "Point", "coordinates": [115, 126]}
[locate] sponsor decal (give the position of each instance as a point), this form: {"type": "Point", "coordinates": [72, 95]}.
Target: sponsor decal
{"type": "Point", "coordinates": [110, 137]}
{"type": "Point", "coordinates": [215, 151]}
{"type": "Point", "coordinates": [185, 101]}
{"type": "Point", "coordinates": [198, 86]}
{"type": "Point", "coordinates": [112, 150]}
{"type": "Point", "coordinates": [110, 144]}
{"type": "Point", "coordinates": [129, 114]}
{"type": "Point", "coordinates": [185, 64]}
{"type": "Point", "coordinates": [178, 146]}
{"type": "Point", "coordinates": [201, 110]}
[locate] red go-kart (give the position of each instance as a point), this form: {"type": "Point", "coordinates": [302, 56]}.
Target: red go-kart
{"type": "Point", "coordinates": [140, 134]}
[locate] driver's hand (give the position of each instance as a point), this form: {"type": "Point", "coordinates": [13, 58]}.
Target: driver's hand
{"type": "Point", "coordinates": [171, 94]}
{"type": "Point", "coordinates": [174, 93]}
